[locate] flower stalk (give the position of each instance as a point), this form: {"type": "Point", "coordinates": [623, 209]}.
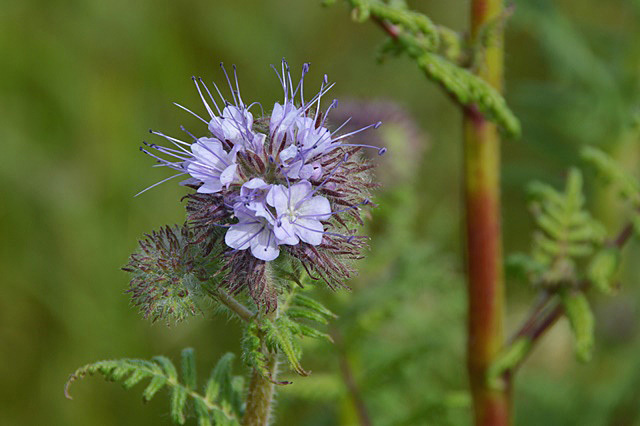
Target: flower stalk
{"type": "Point", "coordinates": [492, 403]}
{"type": "Point", "coordinates": [260, 395]}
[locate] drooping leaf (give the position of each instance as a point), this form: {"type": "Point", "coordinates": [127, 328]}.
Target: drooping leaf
{"type": "Point", "coordinates": [603, 268]}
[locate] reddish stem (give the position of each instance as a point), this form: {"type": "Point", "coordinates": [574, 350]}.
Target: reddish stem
{"type": "Point", "coordinates": [484, 240]}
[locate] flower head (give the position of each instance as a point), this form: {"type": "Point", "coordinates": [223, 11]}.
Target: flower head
{"type": "Point", "coordinates": [284, 184]}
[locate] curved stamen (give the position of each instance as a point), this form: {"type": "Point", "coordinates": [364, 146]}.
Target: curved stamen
{"type": "Point", "coordinates": [206, 104]}
{"type": "Point", "coordinates": [158, 183]}
{"type": "Point", "coordinates": [210, 95]}
{"type": "Point", "coordinates": [188, 132]}
{"type": "Point", "coordinates": [235, 75]}
{"type": "Point", "coordinates": [349, 238]}
{"type": "Point", "coordinates": [224, 70]}
{"type": "Point", "coordinates": [192, 113]}
{"type": "Point", "coordinates": [346, 135]}
{"type": "Point", "coordinates": [169, 151]}
{"type": "Point", "coordinates": [363, 203]}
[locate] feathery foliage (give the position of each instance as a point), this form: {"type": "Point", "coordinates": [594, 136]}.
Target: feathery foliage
{"type": "Point", "coordinates": [566, 232]}
{"type": "Point", "coordinates": [568, 254]}
{"type": "Point", "coordinates": [220, 403]}
{"type": "Point", "coordinates": [613, 173]}
{"type": "Point", "coordinates": [297, 317]}
{"type": "Point", "coordinates": [415, 34]}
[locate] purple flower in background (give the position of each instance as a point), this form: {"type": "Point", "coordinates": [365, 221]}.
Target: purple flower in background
{"type": "Point", "coordinates": [282, 184]}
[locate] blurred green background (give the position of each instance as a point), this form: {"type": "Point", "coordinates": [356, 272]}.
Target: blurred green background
{"type": "Point", "coordinates": [81, 82]}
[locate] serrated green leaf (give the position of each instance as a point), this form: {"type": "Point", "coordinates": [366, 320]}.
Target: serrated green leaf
{"type": "Point", "coordinates": [167, 367]}
{"type": "Point", "coordinates": [313, 333]}
{"type": "Point", "coordinates": [219, 384]}
{"type": "Point", "coordinates": [581, 319]}
{"type": "Point", "coordinates": [156, 383]}
{"type": "Point", "coordinates": [202, 412]}
{"type": "Point", "coordinates": [301, 313]}
{"type": "Point", "coordinates": [309, 303]}
{"type": "Point", "coordinates": [189, 377]}
{"type": "Point", "coordinates": [178, 404]}
{"type": "Point", "coordinates": [135, 378]}
{"type": "Point", "coordinates": [278, 334]}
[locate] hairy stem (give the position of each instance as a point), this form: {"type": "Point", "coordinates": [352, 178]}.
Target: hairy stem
{"type": "Point", "coordinates": [230, 302]}
{"type": "Point", "coordinates": [492, 404]}
{"type": "Point", "coordinates": [260, 396]}
{"type": "Point", "coordinates": [261, 387]}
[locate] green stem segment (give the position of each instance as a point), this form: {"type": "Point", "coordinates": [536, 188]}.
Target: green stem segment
{"type": "Point", "coordinates": [492, 403]}
{"type": "Point", "coordinates": [260, 396]}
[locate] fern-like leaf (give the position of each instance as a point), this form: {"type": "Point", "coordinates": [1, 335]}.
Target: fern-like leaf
{"type": "Point", "coordinates": [222, 407]}
{"type": "Point", "coordinates": [566, 231]}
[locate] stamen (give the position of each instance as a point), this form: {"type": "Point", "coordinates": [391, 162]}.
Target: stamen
{"type": "Point", "coordinates": [158, 183]}
{"type": "Point", "coordinates": [235, 75]}
{"type": "Point", "coordinates": [235, 100]}
{"type": "Point", "coordinates": [170, 151]}
{"type": "Point", "coordinates": [256, 103]}
{"type": "Point", "coordinates": [169, 138]}
{"type": "Point", "coordinates": [363, 203]}
{"type": "Point", "coordinates": [210, 96]}
{"type": "Point", "coordinates": [195, 81]}
{"type": "Point", "coordinates": [192, 113]}
{"type": "Point", "coordinates": [279, 78]}
{"type": "Point", "coordinates": [188, 132]}
{"type": "Point", "coordinates": [346, 135]}
{"type": "Point", "coordinates": [334, 104]}
{"type": "Point", "coordinates": [349, 238]}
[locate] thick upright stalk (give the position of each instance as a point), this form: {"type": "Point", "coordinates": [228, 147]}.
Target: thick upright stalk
{"type": "Point", "coordinates": [260, 396]}
{"type": "Point", "coordinates": [483, 235]}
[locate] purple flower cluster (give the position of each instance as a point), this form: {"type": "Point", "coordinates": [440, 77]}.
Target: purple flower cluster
{"type": "Point", "coordinates": [277, 182]}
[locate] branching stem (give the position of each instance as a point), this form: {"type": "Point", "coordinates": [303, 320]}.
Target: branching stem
{"type": "Point", "coordinates": [544, 315]}
{"type": "Point", "coordinates": [230, 302]}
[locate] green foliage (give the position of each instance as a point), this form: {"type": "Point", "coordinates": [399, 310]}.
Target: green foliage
{"type": "Point", "coordinates": [297, 317]}
{"type": "Point", "coordinates": [219, 404]}
{"type": "Point", "coordinates": [613, 173]}
{"type": "Point", "coordinates": [566, 232]}
{"type": "Point", "coordinates": [580, 317]}
{"type": "Point", "coordinates": [469, 90]}
{"type": "Point", "coordinates": [415, 34]}
{"type": "Point", "coordinates": [603, 268]}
